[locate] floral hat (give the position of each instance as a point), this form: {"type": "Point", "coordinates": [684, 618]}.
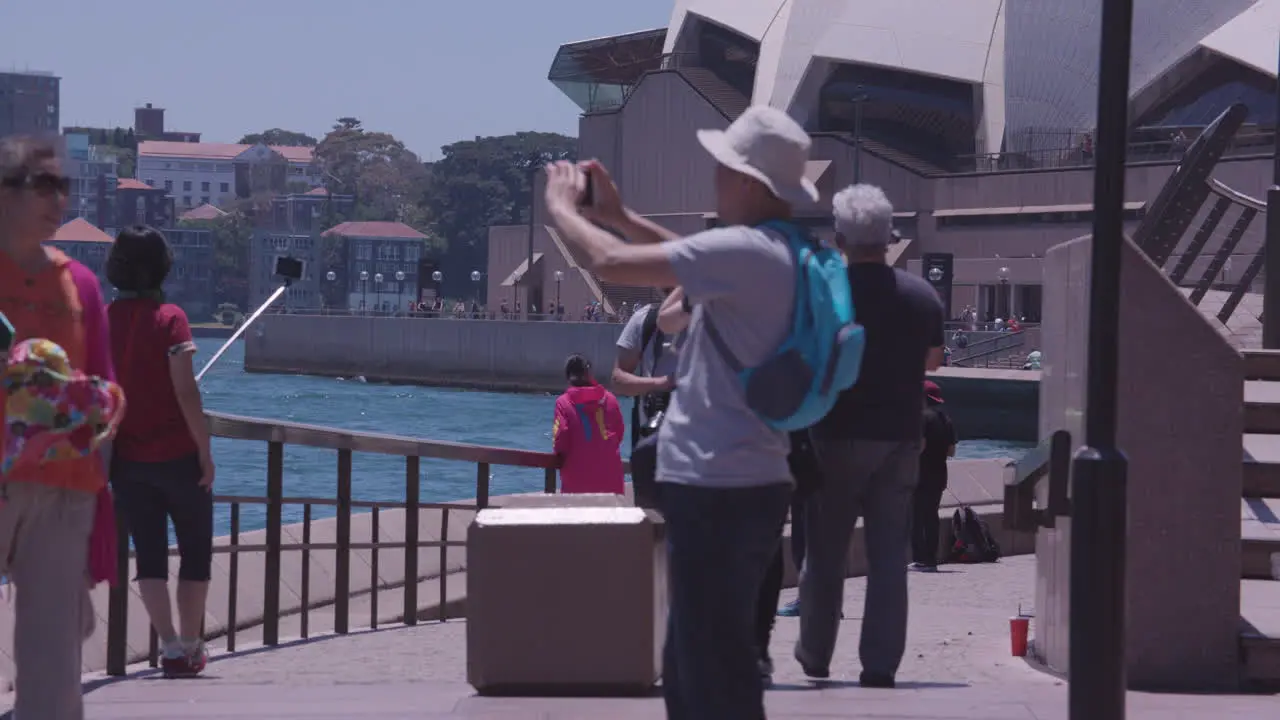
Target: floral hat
{"type": "Point", "coordinates": [53, 412]}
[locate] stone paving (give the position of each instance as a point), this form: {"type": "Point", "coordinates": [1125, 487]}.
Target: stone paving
{"type": "Point", "coordinates": [958, 666]}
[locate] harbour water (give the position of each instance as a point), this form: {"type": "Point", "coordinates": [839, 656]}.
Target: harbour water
{"type": "Point", "coordinates": [507, 420]}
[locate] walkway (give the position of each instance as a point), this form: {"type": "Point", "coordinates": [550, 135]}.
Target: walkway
{"type": "Point", "coordinates": [958, 666]}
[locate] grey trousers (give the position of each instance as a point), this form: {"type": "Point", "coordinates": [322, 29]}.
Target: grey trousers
{"type": "Point", "coordinates": [874, 480]}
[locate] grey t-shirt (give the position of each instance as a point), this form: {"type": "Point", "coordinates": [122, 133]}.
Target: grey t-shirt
{"type": "Point", "coordinates": [745, 277]}
{"type": "Point", "coordinates": [633, 336]}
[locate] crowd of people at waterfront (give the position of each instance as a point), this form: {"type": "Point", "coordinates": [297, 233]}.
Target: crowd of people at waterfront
{"type": "Point", "coordinates": [724, 458]}
{"type": "Point", "coordinates": [725, 473]}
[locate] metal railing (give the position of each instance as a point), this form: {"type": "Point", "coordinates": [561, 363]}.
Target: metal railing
{"type": "Point", "coordinates": [276, 435]}
{"type": "Point", "coordinates": [983, 352]}
{"type": "Point", "coordinates": [483, 314]}
{"type": "Point", "coordinates": [1051, 460]}
{"type": "Point", "coordinates": [1255, 143]}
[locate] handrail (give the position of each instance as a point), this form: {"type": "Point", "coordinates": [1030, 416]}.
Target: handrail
{"type": "Point", "coordinates": [237, 427]}
{"type": "Point", "coordinates": [1051, 459]}
{"type": "Point", "coordinates": [276, 434]}
{"type": "Point", "coordinates": [999, 343]}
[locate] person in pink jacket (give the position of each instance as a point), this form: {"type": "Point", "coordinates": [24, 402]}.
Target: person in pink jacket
{"type": "Point", "coordinates": [588, 431]}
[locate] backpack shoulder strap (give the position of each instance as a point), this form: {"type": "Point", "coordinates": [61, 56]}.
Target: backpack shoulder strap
{"type": "Point", "coordinates": [649, 329]}
{"type": "Point", "coordinates": [788, 231]}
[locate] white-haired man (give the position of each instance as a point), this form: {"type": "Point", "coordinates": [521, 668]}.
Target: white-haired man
{"type": "Point", "coordinates": [724, 484]}
{"type": "Point", "coordinates": [868, 447]}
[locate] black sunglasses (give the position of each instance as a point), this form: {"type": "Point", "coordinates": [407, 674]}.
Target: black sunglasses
{"type": "Point", "coordinates": [44, 184]}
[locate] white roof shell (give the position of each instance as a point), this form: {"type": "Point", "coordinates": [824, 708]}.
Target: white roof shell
{"type": "Point", "coordinates": [1033, 61]}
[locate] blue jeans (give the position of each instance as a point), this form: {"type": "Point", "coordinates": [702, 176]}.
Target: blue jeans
{"type": "Point", "coordinates": [719, 544]}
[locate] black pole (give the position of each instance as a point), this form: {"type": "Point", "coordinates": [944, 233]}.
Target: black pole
{"type": "Point", "coordinates": [1271, 251]}
{"type": "Point", "coordinates": [534, 163]}
{"type": "Point", "coordinates": [1099, 506]}
{"type": "Point", "coordinates": [858, 99]}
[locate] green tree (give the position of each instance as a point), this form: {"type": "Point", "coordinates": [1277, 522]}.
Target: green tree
{"type": "Point", "coordinates": [279, 137]}
{"type": "Point", "coordinates": [483, 182]}
{"type": "Point", "coordinates": [386, 179]}
{"type": "Point", "coordinates": [231, 236]}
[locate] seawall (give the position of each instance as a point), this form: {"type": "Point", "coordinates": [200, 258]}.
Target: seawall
{"type": "Point", "coordinates": [516, 356]}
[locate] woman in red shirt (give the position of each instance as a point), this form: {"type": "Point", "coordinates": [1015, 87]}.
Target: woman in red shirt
{"type": "Point", "coordinates": [162, 466]}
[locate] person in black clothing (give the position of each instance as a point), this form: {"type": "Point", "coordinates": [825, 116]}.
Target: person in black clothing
{"type": "Point", "coordinates": [805, 471]}
{"type": "Point", "coordinates": [939, 444]}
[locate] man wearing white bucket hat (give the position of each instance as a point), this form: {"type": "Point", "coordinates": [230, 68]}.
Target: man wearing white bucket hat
{"type": "Point", "coordinates": [724, 481]}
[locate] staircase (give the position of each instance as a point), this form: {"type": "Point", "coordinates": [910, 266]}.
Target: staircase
{"type": "Point", "coordinates": [1260, 517]}
{"type": "Point", "coordinates": [632, 296]}
{"type": "Point", "coordinates": [719, 93]}
{"type": "Point", "coordinates": [897, 157]}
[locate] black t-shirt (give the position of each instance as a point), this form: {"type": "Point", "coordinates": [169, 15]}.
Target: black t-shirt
{"type": "Point", "coordinates": [902, 316]}
{"type": "Point", "coordinates": [939, 436]}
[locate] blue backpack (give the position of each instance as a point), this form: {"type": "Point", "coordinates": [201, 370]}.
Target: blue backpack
{"type": "Point", "coordinates": [821, 356]}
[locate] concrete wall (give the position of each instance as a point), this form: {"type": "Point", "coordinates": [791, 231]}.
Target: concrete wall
{"type": "Point", "coordinates": [529, 356]}
{"type": "Point", "coordinates": [1180, 427]}
{"type": "Point", "coordinates": [486, 354]}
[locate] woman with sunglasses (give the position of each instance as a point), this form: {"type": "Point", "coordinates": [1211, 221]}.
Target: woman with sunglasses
{"type": "Point", "coordinates": [48, 509]}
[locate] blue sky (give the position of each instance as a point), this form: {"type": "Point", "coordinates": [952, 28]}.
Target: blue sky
{"type": "Point", "coordinates": [428, 71]}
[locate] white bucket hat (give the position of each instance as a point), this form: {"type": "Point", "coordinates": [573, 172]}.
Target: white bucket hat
{"type": "Point", "coordinates": [766, 144]}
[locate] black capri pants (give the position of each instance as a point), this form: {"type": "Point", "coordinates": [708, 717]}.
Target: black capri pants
{"type": "Point", "coordinates": [148, 495]}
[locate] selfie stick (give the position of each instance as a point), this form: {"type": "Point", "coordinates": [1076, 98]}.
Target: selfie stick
{"type": "Point", "coordinates": [243, 326]}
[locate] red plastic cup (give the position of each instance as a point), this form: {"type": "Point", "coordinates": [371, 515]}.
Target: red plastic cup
{"type": "Point", "coordinates": [1019, 628]}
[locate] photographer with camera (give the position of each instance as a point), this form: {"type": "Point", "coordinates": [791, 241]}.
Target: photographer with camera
{"type": "Point", "coordinates": [645, 369]}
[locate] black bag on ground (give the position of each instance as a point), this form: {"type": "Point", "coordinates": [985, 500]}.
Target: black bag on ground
{"type": "Point", "coordinates": [972, 541]}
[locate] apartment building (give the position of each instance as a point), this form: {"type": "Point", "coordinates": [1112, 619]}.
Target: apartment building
{"type": "Point", "coordinates": [93, 177]}
{"type": "Point", "coordinates": [292, 229]}
{"type": "Point", "coordinates": [86, 243]}
{"type": "Point", "coordinates": [197, 174]}
{"type": "Point", "coordinates": [382, 264]}
{"type": "Point", "coordinates": [137, 203]}
{"type": "Point", "coordinates": [30, 102]}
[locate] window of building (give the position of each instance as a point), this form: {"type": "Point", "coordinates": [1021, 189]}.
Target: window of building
{"type": "Point", "coordinates": [186, 186]}
{"type": "Point", "coordinates": [364, 251]}
{"type": "Point", "coordinates": [204, 200]}
{"type": "Point", "coordinates": [413, 253]}
{"type": "Point", "coordinates": [224, 187]}
{"type": "Point", "coordinates": [929, 118]}
{"type": "Point", "coordinates": [186, 200]}
{"type": "Point", "coordinates": [732, 57]}
{"type": "Point", "coordinates": [168, 186]}
{"type": "Point", "coordinates": [204, 187]}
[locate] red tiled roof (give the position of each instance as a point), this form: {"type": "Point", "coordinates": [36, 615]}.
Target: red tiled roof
{"type": "Point", "coordinates": [317, 191]}
{"type": "Point", "coordinates": [215, 151]}
{"type": "Point", "coordinates": [204, 212]}
{"type": "Point", "coordinates": [81, 230]}
{"type": "Point", "coordinates": [131, 184]}
{"type": "Point", "coordinates": [379, 229]}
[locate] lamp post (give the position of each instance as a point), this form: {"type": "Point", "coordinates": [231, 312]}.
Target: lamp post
{"type": "Point", "coordinates": [475, 286]}
{"type": "Point", "coordinates": [1100, 470]}
{"type": "Point", "coordinates": [533, 164]}
{"type": "Point", "coordinates": [331, 277]}
{"type": "Point", "coordinates": [364, 291]}
{"type": "Point", "coordinates": [859, 97]}
{"type": "Point", "coordinates": [377, 288]}
{"type": "Point", "coordinates": [400, 286]}
{"type": "Point", "coordinates": [1004, 304]}
{"type": "Point", "coordinates": [559, 277]}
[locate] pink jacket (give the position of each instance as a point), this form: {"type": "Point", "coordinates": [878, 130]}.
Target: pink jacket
{"type": "Point", "coordinates": [588, 431]}
{"type": "Point", "coordinates": [102, 541]}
